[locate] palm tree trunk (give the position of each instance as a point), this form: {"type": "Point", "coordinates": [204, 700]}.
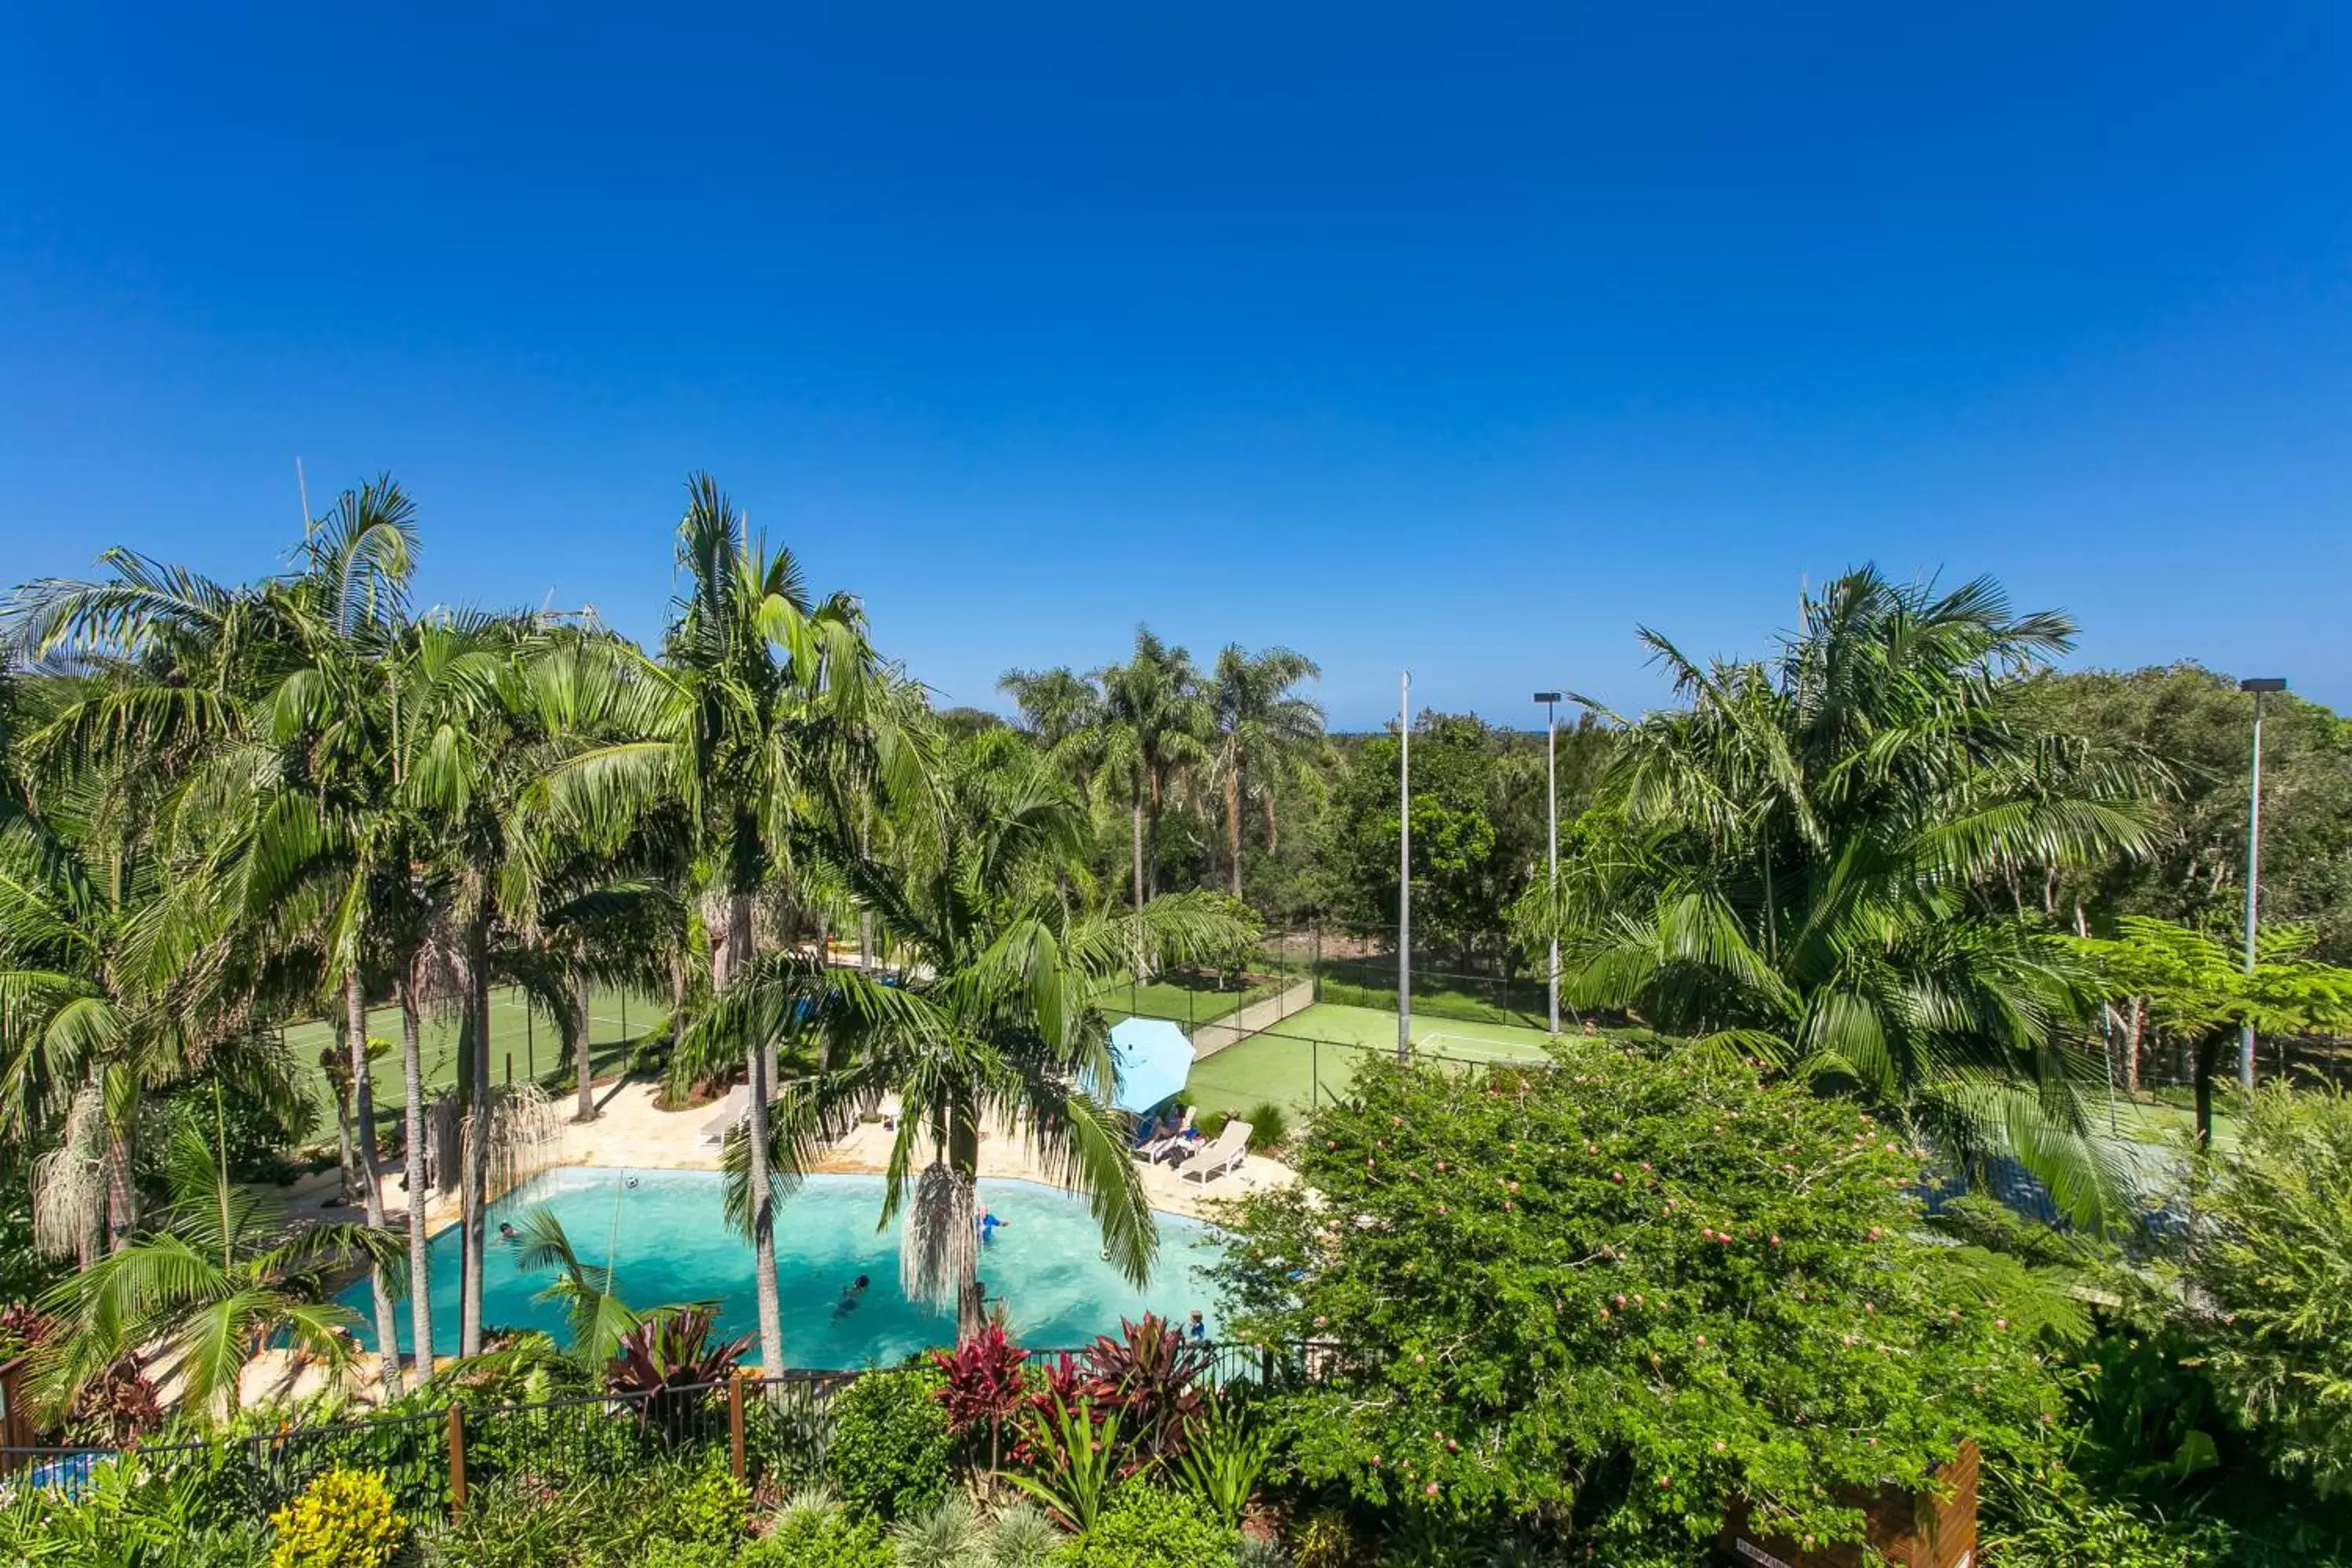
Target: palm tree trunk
{"type": "Point", "coordinates": [387, 1323]}
{"type": "Point", "coordinates": [472, 1198]}
{"type": "Point", "coordinates": [2131, 1048]}
{"type": "Point", "coordinates": [1234, 794]}
{"type": "Point", "coordinates": [412, 1115]}
{"type": "Point", "coordinates": [1136, 824]}
{"type": "Point", "coordinates": [755, 1128]}
{"type": "Point", "coordinates": [580, 1049]}
{"type": "Point", "coordinates": [1151, 844]}
{"type": "Point", "coordinates": [343, 1140]}
{"type": "Point", "coordinates": [122, 1198]}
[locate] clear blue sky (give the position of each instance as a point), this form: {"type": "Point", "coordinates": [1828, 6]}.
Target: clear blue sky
{"type": "Point", "coordinates": [1459, 337]}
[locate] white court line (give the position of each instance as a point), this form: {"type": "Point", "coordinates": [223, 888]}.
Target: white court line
{"type": "Point", "coordinates": [1509, 1051]}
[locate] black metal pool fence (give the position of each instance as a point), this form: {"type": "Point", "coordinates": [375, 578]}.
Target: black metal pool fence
{"type": "Point", "coordinates": [766, 1427]}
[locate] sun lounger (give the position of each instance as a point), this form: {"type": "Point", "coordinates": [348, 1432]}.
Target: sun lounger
{"type": "Point", "coordinates": [1152, 1149]}
{"type": "Point", "coordinates": [1225, 1154]}
{"type": "Point", "coordinates": [730, 1111]}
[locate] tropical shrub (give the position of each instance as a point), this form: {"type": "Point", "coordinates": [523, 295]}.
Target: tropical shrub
{"type": "Point", "coordinates": [710, 1508]}
{"type": "Point", "coordinates": [892, 1452]}
{"type": "Point", "coordinates": [1618, 1294]}
{"type": "Point", "coordinates": [1022, 1537]}
{"type": "Point", "coordinates": [981, 1385]}
{"type": "Point", "coordinates": [343, 1519]}
{"type": "Point", "coordinates": [1077, 1462]}
{"type": "Point", "coordinates": [1269, 1126]}
{"type": "Point", "coordinates": [128, 1513]}
{"type": "Point", "coordinates": [2048, 1520]}
{"type": "Point", "coordinates": [1224, 1455]}
{"type": "Point", "coordinates": [2266, 1264]}
{"type": "Point", "coordinates": [820, 1538]}
{"type": "Point", "coordinates": [948, 1534]}
{"type": "Point", "coordinates": [685, 1555]}
{"type": "Point", "coordinates": [586, 1524]}
{"type": "Point", "coordinates": [1324, 1538]}
{"type": "Point", "coordinates": [21, 1328]}
{"type": "Point", "coordinates": [669, 1350]}
{"type": "Point", "coordinates": [787, 1434]}
{"type": "Point", "coordinates": [1149, 1375]}
{"type": "Point", "coordinates": [116, 1405]}
{"type": "Point", "coordinates": [1147, 1526]}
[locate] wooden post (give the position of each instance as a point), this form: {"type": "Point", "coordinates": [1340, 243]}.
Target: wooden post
{"type": "Point", "coordinates": [735, 1424]}
{"type": "Point", "coordinates": [1266, 1375]}
{"type": "Point", "coordinates": [15, 1420]}
{"type": "Point", "coordinates": [456, 1460]}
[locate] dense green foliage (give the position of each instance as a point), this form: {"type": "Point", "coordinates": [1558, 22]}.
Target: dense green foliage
{"type": "Point", "coordinates": [892, 1452]}
{"type": "Point", "coordinates": [1618, 1294]}
{"type": "Point", "coordinates": [345, 1519]}
{"type": "Point", "coordinates": [2269, 1265]}
{"type": "Point", "coordinates": [2189, 987]}
{"type": "Point", "coordinates": [2192, 870]}
{"type": "Point", "coordinates": [1897, 867]}
{"type": "Point", "coordinates": [1821, 859]}
{"type": "Point", "coordinates": [1148, 1526]}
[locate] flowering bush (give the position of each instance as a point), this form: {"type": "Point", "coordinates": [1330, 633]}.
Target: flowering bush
{"type": "Point", "coordinates": [1618, 1294]}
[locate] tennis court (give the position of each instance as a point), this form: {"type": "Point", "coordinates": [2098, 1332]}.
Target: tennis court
{"type": "Point", "coordinates": [1312, 1056]}
{"type": "Point", "coordinates": [522, 1046]}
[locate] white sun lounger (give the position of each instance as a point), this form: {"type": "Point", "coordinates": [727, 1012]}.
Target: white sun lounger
{"type": "Point", "coordinates": [1226, 1153]}
{"type": "Point", "coordinates": [730, 1111]}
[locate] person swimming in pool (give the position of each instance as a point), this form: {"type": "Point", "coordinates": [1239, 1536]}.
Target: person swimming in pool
{"type": "Point", "coordinates": [989, 1225]}
{"type": "Point", "coordinates": [507, 1232]}
{"type": "Point", "coordinates": [849, 1294]}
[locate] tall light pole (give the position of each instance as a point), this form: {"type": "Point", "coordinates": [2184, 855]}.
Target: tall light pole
{"type": "Point", "coordinates": [1404, 866]}
{"type": "Point", "coordinates": [1551, 832]}
{"type": "Point", "coordinates": [2259, 687]}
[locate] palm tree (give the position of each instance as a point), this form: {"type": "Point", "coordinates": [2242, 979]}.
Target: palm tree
{"type": "Point", "coordinates": [995, 1027]}
{"type": "Point", "coordinates": [1265, 731]}
{"type": "Point", "coordinates": [1061, 711]}
{"type": "Point", "coordinates": [764, 700]}
{"type": "Point", "coordinates": [467, 748]}
{"type": "Point", "coordinates": [597, 1314]}
{"type": "Point", "coordinates": [330, 813]}
{"type": "Point", "coordinates": [110, 976]}
{"type": "Point", "coordinates": [1154, 726]}
{"type": "Point", "coordinates": [1799, 865]}
{"type": "Point", "coordinates": [218, 1275]}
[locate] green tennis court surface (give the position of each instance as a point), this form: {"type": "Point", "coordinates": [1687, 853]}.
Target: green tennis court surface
{"type": "Point", "coordinates": [1312, 1056]}
{"type": "Point", "coordinates": [522, 1046]}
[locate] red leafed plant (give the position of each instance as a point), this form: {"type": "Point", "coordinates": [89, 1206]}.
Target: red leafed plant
{"type": "Point", "coordinates": [669, 1359]}
{"type": "Point", "coordinates": [1148, 1376]}
{"type": "Point", "coordinates": [117, 1406]}
{"type": "Point", "coordinates": [983, 1383]}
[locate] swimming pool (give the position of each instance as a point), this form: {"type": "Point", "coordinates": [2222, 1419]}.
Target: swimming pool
{"type": "Point", "coordinates": [671, 1242]}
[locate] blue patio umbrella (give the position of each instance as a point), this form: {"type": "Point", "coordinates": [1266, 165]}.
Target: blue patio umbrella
{"type": "Point", "coordinates": [1152, 1059]}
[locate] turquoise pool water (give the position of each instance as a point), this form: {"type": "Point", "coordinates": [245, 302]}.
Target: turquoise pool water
{"type": "Point", "coordinates": [666, 1230]}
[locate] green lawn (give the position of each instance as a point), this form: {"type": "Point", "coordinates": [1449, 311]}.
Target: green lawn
{"type": "Point", "coordinates": [1185, 998]}
{"type": "Point", "coordinates": [1315, 1054]}
{"type": "Point", "coordinates": [524, 1046]}
{"type": "Point", "coordinates": [2155, 1121]}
